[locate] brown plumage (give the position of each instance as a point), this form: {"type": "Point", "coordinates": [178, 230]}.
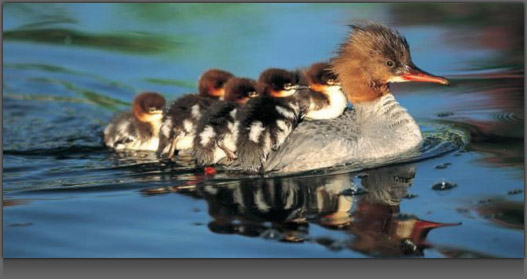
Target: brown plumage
{"type": "Point", "coordinates": [137, 129]}
{"type": "Point", "coordinates": [211, 83]}
{"type": "Point", "coordinates": [373, 56]}
{"type": "Point", "coordinates": [239, 90]}
{"type": "Point", "coordinates": [147, 104]}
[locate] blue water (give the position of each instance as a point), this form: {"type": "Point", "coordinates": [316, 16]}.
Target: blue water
{"type": "Point", "coordinates": [68, 68]}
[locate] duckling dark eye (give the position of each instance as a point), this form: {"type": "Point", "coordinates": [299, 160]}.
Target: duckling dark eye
{"type": "Point", "coordinates": [390, 63]}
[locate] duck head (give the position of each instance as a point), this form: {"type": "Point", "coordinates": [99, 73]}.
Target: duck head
{"type": "Point", "coordinates": [372, 57]}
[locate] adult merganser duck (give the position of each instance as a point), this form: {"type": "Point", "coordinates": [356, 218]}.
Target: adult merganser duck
{"type": "Point", "coordinates": [378, 129]}
{"type": "Point", "coordinates": [216, 131]}
{"type": "Point", "coordinates": [266, 121]}
{"type": "Point", "coordinates": [327, 99]}
{"type": "Point", "coordinates": [137, 129]}
{"type": "Point", "coordinates": [181, 117]}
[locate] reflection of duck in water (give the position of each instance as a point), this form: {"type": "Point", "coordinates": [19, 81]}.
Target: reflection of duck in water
{"type": "Point", "coordinates": [377, 224]}
{"type": "Point", "coordinates": [378, 128]}
{"type": "Point", "coordinates": [283, 208]}
{"type": "Point", "coordinates": [259, 208]}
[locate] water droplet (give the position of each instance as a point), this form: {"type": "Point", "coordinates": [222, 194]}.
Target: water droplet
{"type": "Point", "coordinates": [408, 247]}
{"type": "Point", "coordinates": [445, 114]}
{"type": "Point", "coordinates": [442, 166]}
{"type": "Point", "coordinates": [485, 201]}
{"type": "Point", "coordinates": [515, 192]}
{"type": "Point", "coordinates": [271, 234]}
{"type": "Point", "coordinates": [443, 185]}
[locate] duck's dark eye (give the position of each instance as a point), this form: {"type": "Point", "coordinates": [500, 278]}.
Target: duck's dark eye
{"type": "Point", "coordinates": [390, 63]}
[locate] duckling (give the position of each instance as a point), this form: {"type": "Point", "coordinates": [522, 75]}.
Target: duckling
{"type": "Point", "coordinates": [266, 121]}
{"type": "Point", "coordinates": [181, 117]}
{"type": "Point", "coordinates": [327, 99]}
{"type": "Point", "coordinates": [137, 129]}
{"type": "Point", "coordinates": [216, 131]}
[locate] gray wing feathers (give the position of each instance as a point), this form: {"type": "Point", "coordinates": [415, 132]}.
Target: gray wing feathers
{"type": "Point", "coordinates": [315, 144]}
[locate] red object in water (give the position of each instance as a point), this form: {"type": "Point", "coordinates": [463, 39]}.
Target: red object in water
{"type": "Point", "coordinates": [210, 170]}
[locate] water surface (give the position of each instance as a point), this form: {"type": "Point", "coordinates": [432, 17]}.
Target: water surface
{"type": "Point", "coordinates": [68, 68]}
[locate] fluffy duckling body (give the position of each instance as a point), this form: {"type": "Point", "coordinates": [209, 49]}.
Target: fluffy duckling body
{"type": "Point", "coordinates": [137, 129]}
{"type": "Point", "coordinates": [266, 121]}
{"type": "Point", "coordinates": [327, 99]}
{"type": "Point", "coordinates": [181, 117]}
{"type": "Point", "coordinates": [216, 132]}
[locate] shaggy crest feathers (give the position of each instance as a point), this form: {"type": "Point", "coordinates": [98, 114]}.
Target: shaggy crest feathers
{"type": "Point", "coordinates": [378, 39]}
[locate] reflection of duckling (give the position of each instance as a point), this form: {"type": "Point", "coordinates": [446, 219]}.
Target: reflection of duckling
{"type": "Point", "coordinates": [327, 99]}
{"type": "Point", "coordinates": [260, 208]}
{"type": "Point", "coordinates": [266, 121]}
{"type": "Point", "coordinates": [180, 119]}
{"type": "Point", "coordinates": [138, 129]}
{"type": "Point", "coordinates": [216, 131]}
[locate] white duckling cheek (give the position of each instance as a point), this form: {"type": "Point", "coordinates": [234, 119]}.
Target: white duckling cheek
{"type": "Point", "coordinates": [337, 104]}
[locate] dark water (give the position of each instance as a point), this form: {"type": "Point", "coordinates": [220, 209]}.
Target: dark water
{"type": "Point", "coordinates": [68, 68]}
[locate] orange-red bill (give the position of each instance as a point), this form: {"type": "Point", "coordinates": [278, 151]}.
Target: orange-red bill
{"type": "Point", "coordinates": [416, 74]}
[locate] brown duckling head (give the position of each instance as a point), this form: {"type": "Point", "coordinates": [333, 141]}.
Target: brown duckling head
{"type": "Point", "coordinates": [148, 107]}
{"type": "Point", "coordinates": [279, 83]}
{"type": "Point", "coordinates": [212, 83]}
{"type": "Point", "coordinates": [240, 90]}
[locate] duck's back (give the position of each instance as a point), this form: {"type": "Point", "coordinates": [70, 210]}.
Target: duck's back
{"type": "Point", "coordinates": [371, 133]}
{"type": "Point", "coordinates": [316, 144]}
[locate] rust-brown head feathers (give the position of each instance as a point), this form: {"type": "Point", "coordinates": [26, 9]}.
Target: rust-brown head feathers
{"type": "Point", "coordinates": [212, 82]}
{"type": "Point", "coordinates": [148, 104]}
{"type": "Point", "coordinates": [239, 90]}
{"type": "Point", "coordinates": [373, 56]}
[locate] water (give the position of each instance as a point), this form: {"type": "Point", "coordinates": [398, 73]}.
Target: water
{"type": "Point", "coordinates": [68, 68]}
